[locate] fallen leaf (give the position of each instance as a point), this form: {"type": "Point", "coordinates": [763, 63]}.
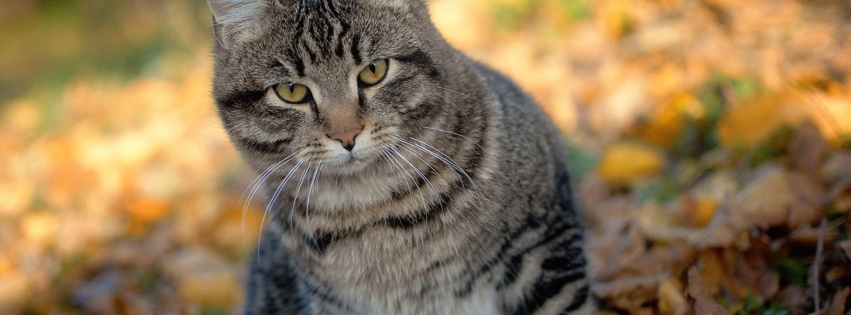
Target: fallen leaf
{"type": "Point", "coordinates": [809, 198]}
{"type": "Point", "coordinates": [629, 293]}
{"type": "Point", "coordinates": [14, 291]}
{"type": "Point", "coordinates": [671, 297]}
{"type": "Point", "coordinates": [808, 148]}
{"type": "Point", "coordinates": [627, 162]}
{"type": "Point", "coordinates": [218, 288]}
{"type": "Point", "coordinates": [837, 167]}
{"type": "Point", "coordinates": [796, 299]}
{"type": "Point", "coordinates": [698, 211]}
{"type": "Point", "coordinates": [766, 200]}
{"type": "Point", "coordinates": [838, 302]}
{"type": "Point", "coordinates": [703, 303]}
{"type": "Point", "coordinates": [39, 227]}
{"type": "Point", "coordinates": [751, 123]}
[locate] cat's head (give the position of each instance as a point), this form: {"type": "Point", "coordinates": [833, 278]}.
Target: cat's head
{"type": "Point", "coordinates": [335, 82]}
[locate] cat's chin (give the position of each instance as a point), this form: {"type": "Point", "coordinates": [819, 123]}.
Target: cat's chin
{"type": "Point", "coordinates": [348, 165]}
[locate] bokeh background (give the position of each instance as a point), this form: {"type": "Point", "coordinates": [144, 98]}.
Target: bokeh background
{"type": "Point", "coordinates": [711, 142]}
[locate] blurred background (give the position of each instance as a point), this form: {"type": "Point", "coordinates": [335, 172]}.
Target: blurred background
{"type": "Point", "coordinates": [710, 141]}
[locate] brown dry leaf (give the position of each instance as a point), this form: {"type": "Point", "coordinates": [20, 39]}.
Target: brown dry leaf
{"type": "Point", "coordinates": [845, 246]}
{"type": "Point", "coordinates": [796, 299]}
{"type": "Point", "coordinates": [703, 302]}
{"type": "Point", "coordinates": [716, 270]}
{"type": "Point", "coordinates": [627, 250]}
{"type": "Point", "coordinates": [630, 293]}
{"type": "Point", "coordinates": [203, 277]}
{"type": "Point", "coordinates": [671, 297]}
{"type": "Point", "coordinates": [765, 201]}
{"type": "Point", "coordinates": [809, 196]}
{"type": "Point", "coordinates": [840, 198]}
{"type": "Point", "coordinates": [837, 167]}
{"type": "Point", "coordinates": [808, 149]}
{"type": "Point", "coordinates": [755, 275]}
{"type": "Point", "coordinates": [838, 302]}
{"type": "Point", "coordinates": [627, 162]}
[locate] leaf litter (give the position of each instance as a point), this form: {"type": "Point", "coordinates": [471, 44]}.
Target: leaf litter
{"type": "Point", "coordinates": [713, 138]}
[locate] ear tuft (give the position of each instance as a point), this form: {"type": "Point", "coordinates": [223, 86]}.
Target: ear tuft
{"type": "Point", "coordinates": [233, 18]}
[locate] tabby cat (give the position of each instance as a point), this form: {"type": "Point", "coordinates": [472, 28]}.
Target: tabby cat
{"type": "Point", "coordinates": [402, 177]}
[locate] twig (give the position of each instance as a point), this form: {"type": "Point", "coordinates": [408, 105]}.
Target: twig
{"type": "Point", "coordinates": [817, 264]}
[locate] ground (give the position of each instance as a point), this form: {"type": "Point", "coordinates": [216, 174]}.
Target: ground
{"type": "Point", "coordinates": [711, 143]}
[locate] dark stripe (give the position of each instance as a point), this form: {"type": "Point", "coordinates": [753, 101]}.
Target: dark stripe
{"type": "Point", "coordinates": [263, 146]}
{"type": "Point", "coordinates": [502, 255]}
{"type": "Point", "coordinates": [422, 60]}
{"type": "Point", "coordinates": [299, 64]}
{"type": "Point", "coordinates": [434, 210]}
{"type": "Point", "coordinates": [418, 112]}
{"type": "Point", "coordinates": [420, 181]}
{"type": "Point", "coordinates": [546, 289]}
{"type": "Point", "coordinates": [512, 271]}
{"type": "Point", "coordinates": [579, 299]}
{"type": "Point", "coordinates": [319, 243]}
{"type": "Point", "coordinates": [570, 259]}
{"type": "Point", "coordinates": [326, 297]}
{"type": "Point", "coordinates": [355, 50]}
{"type": "Point", "coordinates": [241, 98]}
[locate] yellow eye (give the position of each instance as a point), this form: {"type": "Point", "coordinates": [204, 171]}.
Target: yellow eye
{"type": "Point", "coordinates": [373, 73]}
{"type": "Point", "coordinates": [292, 92]}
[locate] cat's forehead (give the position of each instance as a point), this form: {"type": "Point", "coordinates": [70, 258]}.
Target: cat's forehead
{"type": "Point", "coordinates": [317, 31]}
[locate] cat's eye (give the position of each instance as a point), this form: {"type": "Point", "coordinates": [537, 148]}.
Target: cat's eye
{"type": "Point", "coordinates": [292, 92]}
{"type": "Point", "coordinates": [373, 73]}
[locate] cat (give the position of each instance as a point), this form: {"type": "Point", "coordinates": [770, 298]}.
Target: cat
{"type": "Point", "coordinates": [402, 176]}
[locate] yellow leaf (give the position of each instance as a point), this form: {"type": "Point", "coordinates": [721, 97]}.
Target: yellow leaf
{"type": "Point", "coordinates": [212, 289]}
{"type": "Point", "coordinates": [39, 226]}
{"type": "Point", "coordinates": [671, 297]}
{"type": "Point", "coordinates": [750, 123]}
{"type": "Point", "coordinates": [667, 121]}
{"type": "Point", "coordinates": [698, 211]}
{"type": "Point", "coordinates": [146, 210]}
{"type": "Point", "coordinates": [627, 162]}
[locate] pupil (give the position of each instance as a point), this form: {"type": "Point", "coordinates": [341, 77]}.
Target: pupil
{"type": "Point", "coordinates": [292, 88]}
{"type": "Point", "coordinates": [372, 68]}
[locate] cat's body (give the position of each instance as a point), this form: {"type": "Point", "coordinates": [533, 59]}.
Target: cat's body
{"type": "Point", "coordinates": [438, 188]}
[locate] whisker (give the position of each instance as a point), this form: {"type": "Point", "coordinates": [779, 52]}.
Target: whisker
{"type": "Point", "coordinates": [307, 206]}
{"type": "Point", "coordinates": [255, 185]}
{"type": "Point", "coordinates": [443, 157]}
{"type": "Point", "coordinates": [295, 199]}
{"type": "Point", "coordinates": [399, 154]}
{"type": "Point", "coordinates": [414, 153]}
{"type": "Point", "coordinates": [457, 135]}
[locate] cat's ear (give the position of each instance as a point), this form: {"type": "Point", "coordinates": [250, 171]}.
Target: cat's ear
{"type": "Point", "coordinates": [238, 20]}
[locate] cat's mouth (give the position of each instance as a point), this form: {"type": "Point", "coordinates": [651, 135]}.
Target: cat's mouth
{"type": "Point", "coordinates": [350, 162]}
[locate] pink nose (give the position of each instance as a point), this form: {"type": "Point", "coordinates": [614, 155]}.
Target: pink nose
{"type": "Point", "coordinates": [346, 138]}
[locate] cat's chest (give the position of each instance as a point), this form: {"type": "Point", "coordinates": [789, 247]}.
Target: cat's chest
{"type": "Point", "coordinates": [384, 273]}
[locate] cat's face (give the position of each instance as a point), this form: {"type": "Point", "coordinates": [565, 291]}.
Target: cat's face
{"type": "Point", "coordinates": [333, 82]}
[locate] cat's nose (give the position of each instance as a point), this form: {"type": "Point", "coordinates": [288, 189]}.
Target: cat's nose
{"type": "Point", "coordinates": [347, 137]}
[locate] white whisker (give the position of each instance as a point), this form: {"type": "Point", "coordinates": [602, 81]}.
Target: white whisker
{"type": "Point", "coordinates": [255, 185]}
{"type": "Point", "coordinates": [399, 154]}
{"type": "Point", "coordinates": [307, 206]}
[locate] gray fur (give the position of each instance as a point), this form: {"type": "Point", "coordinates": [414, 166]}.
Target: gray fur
{"type": "Point", "coordinates": [455, 198]}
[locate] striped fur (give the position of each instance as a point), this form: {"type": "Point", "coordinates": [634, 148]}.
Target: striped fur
{"type": "Point", "coordinates": [455, 198]}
